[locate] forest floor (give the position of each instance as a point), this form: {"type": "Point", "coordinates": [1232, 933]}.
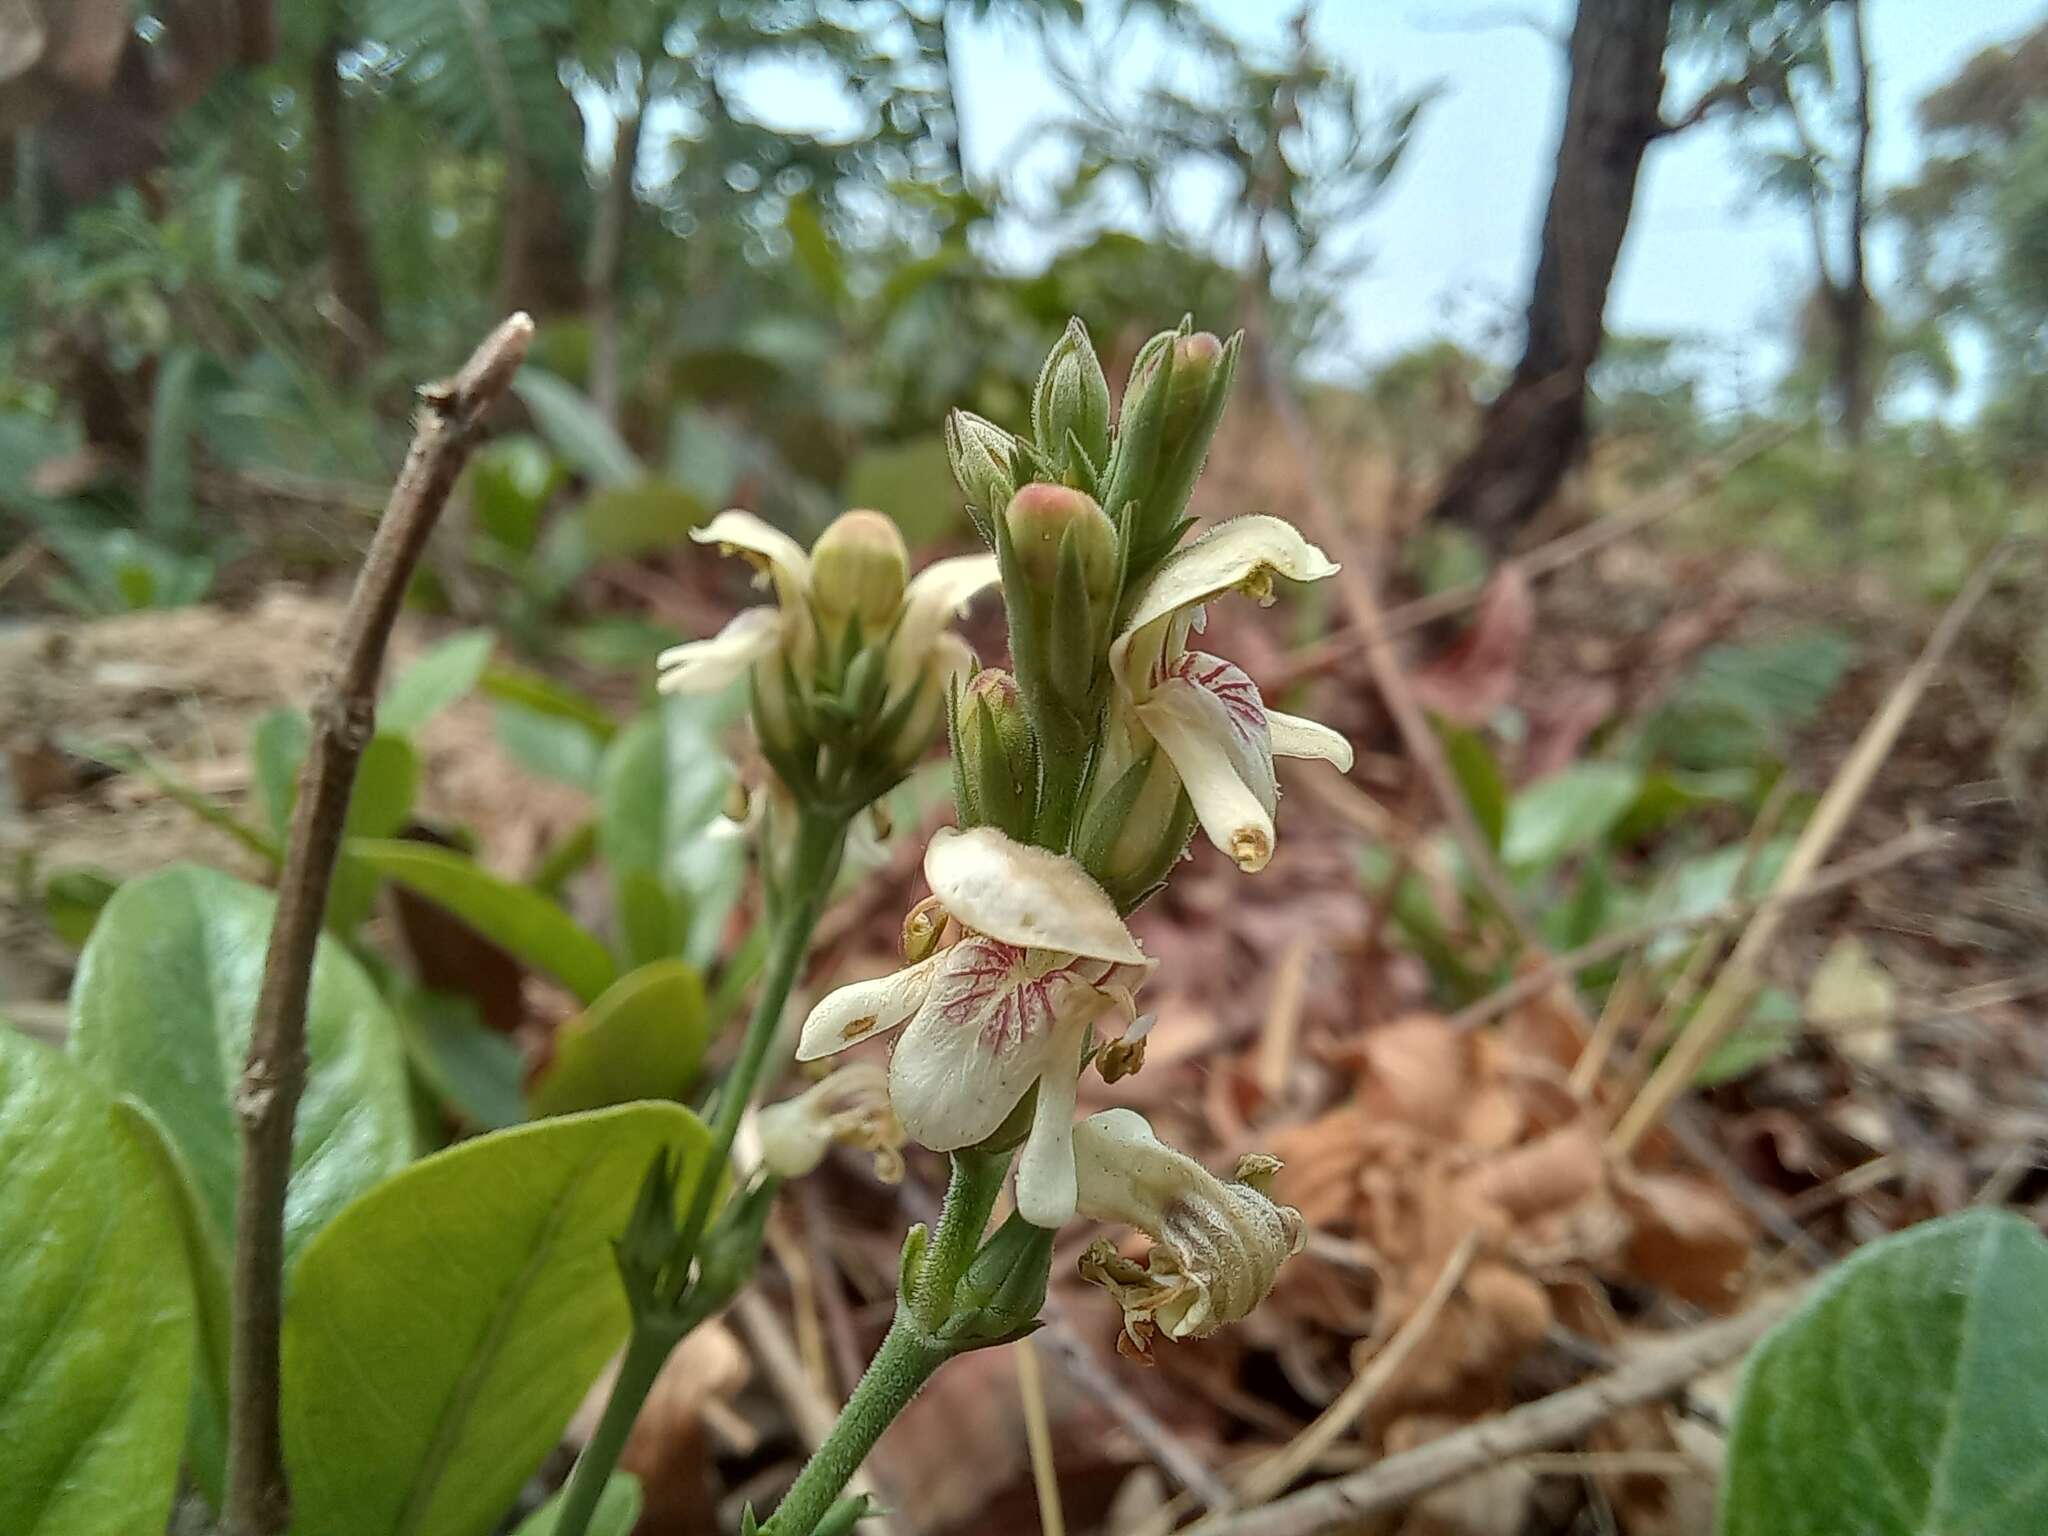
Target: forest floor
{"type": "Point", "coordinates": [1292, 1018]}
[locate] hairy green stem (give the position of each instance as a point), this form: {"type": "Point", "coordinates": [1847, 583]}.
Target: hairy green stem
{"type": "Point", "coordinates": [901, 1367]}
{"type": "Point", "coordinates": [910, 1352]}
{"type": "Point", "coordinates": [820, 839]}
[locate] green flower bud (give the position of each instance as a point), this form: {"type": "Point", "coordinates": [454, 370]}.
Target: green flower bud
{"type": "Point", "coordinates": [997, 755]}
{"type": "Point", "coordinates": [1196, 361]}
{"type": "Point", "coordinates": [999, 1298]}
{"type": "Point", "coordinates": [1042, 519]}
{"type": "Point", "coordinates": [981, 454]}
{"type": "Point", "coordinates": [1072, 399]}
{"type": "Point", "coordinates": [859, 568]}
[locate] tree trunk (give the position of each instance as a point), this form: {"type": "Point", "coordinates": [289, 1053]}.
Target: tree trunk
{"type": "Point", "coordinates": [349, 268]}
{"type": "Point", "coordinates": [1852, 295]}
{"type": "Point", "coordinates": [1534, 431]}
{"type": "Point", "coordinates": [607, 255]}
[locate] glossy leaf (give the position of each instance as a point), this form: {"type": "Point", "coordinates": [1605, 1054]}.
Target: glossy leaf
{"type": "Point", "coordinates": [474, 1070]}
{"type": "Point", "coordinates": [1907, 1396]}
{"type": "Point", "coordinates": [96, 1322]}
{"type": "Point", "coordinates": [574, 429]}
{"type": "Point", "coordinates": [621, 521]}
{"type": "Point", "coordinates": [529, 690]}
{"type": "Point", "coordinates": [161, 1009]}
{"type": "Point", "coordinates": [277, 746]}
{"type": "Point", "coordinates": [439, 678]}
{"type": "Point", "coordinates": [548, 745]}
{"type": "Point", "coordinates": [516, 917]}
{"type": "Point", "coordinates": [618, 1507]}
{"type": "Point", "coordinates": [442, 1331]}
{"type": "Point", "coordinates": [642, 1040]}
{"type": "Point", "coordinates": [206, 1257]}
{"type": "Point", "coordinates": [1560, 815]}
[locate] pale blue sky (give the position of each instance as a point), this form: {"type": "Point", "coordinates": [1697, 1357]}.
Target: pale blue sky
{"type": "Point", "coordinates": [1453, 243]}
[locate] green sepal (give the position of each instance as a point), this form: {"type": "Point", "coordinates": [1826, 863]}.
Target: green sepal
{"type": "Point", "coordinates": [915, 1241]}
{"type": "Point", "coordinates": [1105, 819]}
{"type": "Point", "coordinates": [842, 1517]}
{"type": "Point", "coordinates": [1003, 1291]}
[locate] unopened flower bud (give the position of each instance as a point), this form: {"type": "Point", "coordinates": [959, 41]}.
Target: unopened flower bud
{"type": "Point", "coordinates": [1217, 1246]}
{"type": "Point", "coordinates": [1072, 399]}
{"type": "Point", "coordinates": [981, 452]}
{"type": "Point", "coordinates": [1196, 360]}
{"type": "Point", "coordinates": [997, 754]}
{"type": "Point", "coordinates": [859, 568]}
{"type": "Point", "coordinates": [1042, 519]}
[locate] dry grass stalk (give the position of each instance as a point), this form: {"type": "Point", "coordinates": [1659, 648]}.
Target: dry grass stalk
{"type": "Point", "coordinates": [1735, 984]}
{"type": "Point", "coordinates": [1045, 1476]}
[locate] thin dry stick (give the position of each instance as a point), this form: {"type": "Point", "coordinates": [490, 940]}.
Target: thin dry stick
{"type": "Point", "coordinates": [274, 1075]}
{"type": "Point", "coordinates": [1341, 1503]}
{"type": "Point", "coordinates": [1533, 982]}
{"type": "Point", "coordinates": [1266, 1478]}
{"type": "Point", "coordinates": [1733, 986]}
{"type": "Point", "coordinates": [1045, 1477]}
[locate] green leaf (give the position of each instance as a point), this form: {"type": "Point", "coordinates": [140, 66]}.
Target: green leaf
{"type": "Point", "coordinates": [1907, 1396]}
{"type": "Point", "coordinates": [96, 1343]}
{"type": "Point", "coordinates": [813, 246]}
{"type": "Point", "coordinates": [444, 1328]}
{"type": "Point", "coordinates": [1560, 815]}
{"type": "Point", "coordinates": [1479, 776]}
{"type": "Point", "coordinates": [509, 482]}
{"type": "Point", "coordinates": [661, 785]}
{"type": "Point", "coordinates": [548, 745]}
{"type": "Point", "coordinates": [529, 690]}
{"type": "Point", "coordinates": [473, 1069]}
{"type": "Point", "coordinates": [573, 428]}
{"type": "Point", "coordinates": [618, 1507]}
{"type": "Point", "coordinates": [277, 746]}
{"type": "Point", "coordinates": [913, 483]}
{"type": "Point", "coordinates": [1745, 701]}
{"type": "Point", "coordinates": [161, 1009]}
{"type": "Point", "coordinates": [206, 1256]}
{"type": "Point", "coordinates": [73, 900]}
{"type": "Point", "coordinates": [642, 1040]}
{"type": "Point", "coordinates": [515, 917]}
{"type": "Point", "coordinates": [621, 521]}
{"type": "Point", "coordinates": [1770, 1031]}
{"type": "Point", "coordinates": [436, 680]}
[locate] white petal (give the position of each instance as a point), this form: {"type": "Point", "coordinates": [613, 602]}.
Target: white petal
{"type": "Point", "coordinates": [935, 595]}
{"type": "Point", "coordinates": [1244, 553]}
{"type": "Point", "coordinates": [705, 666]}
{"type": "Point", "coordinates": [981, 1039]}
{"type": "Point", "coordinates": [1229, 779]}
{"type": "Point", "coordinates": [1294, 736]}
{"type": "Point", "coordinates": [740, 532]}
{"type": "Point", "coordinates": [850, 1014]}
{"type": "Point", "coordinates": [1046, 1190]}
{"type": "Point", "coordinates": [1025, 896]}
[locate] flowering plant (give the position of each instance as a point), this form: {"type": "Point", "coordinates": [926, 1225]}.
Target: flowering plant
{"type": "Point", "coordinates": [1080, 776]}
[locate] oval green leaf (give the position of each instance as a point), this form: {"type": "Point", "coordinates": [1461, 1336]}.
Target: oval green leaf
{"type": "Point", "coordinates": [1564, 813]}
{"type": "Point", "coordinates": [161, 1009]}
{"type": "Point", "coordinates": [516, 917]}
{"type": "Point", "coordinates": [443, 1329]}
{"type": "Point", "coordinates": [1908, 1395]}
{"type": "Point", "coordinates": [97, 1339]}
{"type": "Point", "coordinates": [436, 680]}
{"type": "Point", "coordinates": [642, 1040]}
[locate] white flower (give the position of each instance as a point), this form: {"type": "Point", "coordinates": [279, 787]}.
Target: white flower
{"type": "Point", "coordinates": [858, 564]}
{"type": "Point", "coordinates": [849, 1105]}
{"type": "Point", "coordinates": [1205, 713]}
{"type": "Point", "coordinates": [1040, 954]}
{"type": "Point", "coordinates": [1217, 1245]}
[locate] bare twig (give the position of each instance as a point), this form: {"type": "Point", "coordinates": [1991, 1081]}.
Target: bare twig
{"type": "Point", "coordinates": [1343, 1502]}
{"type": "Point", "coordinates": [1734, 985]}
{"type": "Point", "coordinates": [1550, 968]}
{"type": "Point", "coordinates": [274, 1075]}
{"type": "Point", "coordinates": [1266, 1478]}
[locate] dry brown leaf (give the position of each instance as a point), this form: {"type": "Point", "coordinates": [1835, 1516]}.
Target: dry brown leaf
{"type": "Point", "coordinates": [1689, 1237]}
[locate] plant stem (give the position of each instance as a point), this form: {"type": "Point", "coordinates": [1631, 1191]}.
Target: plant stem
{"type": "Point", "coordinates": [820, 839]}
{"type": "Point", "coordinates": [910, 1352]}
{"type": "Point", "coordinates": [901, 1367]}
{"type": "Point", "coordinates": [646, 1352]}
{"type": "Point", "coordinates": [274, 1074]}
{"type": "Point", "coordinates": [977, 1179]}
